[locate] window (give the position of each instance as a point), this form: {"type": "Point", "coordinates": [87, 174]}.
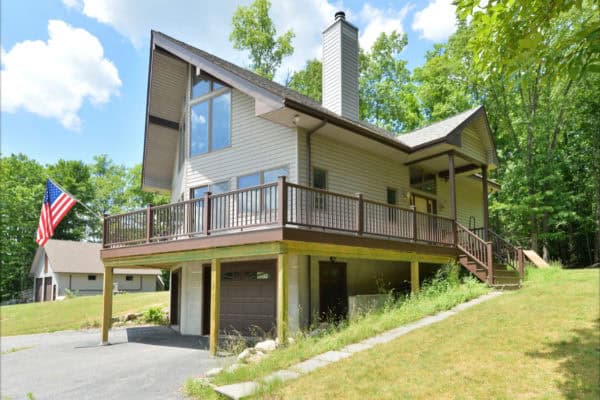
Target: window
{"type": "Point", "coordinates": [319, 182]}
{"type": "Point", "coordinates": [392, 200]}
{"type": "Point", "coordinates": [421, 180]}
{"type": "Point", "coordinates": [423, 204]}
{"type": "Point", "coordinates": [128, 277]}
{"type": "Point", "coordinates": [91, 277]}
{"type": "Point", "coordinates": [215, 188]}
{"type": "Point", "coordinates": [247, 181]}
{"type": "Point", "coordinates": [210, 116]}
{"type": "Point", "coordinates": [260, 178]}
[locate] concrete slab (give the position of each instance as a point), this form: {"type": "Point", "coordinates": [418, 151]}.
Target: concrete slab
{"type": "Point", "coordinates": [333, 356]}
{"type": "Point", "coordinates": [282, 376]}
{"type": "Point", "coordinates": [356, 347]}
{"type": "Point", "coordinates": [309, 365]}
{"type": "Point", "coordinates": [238, 390]}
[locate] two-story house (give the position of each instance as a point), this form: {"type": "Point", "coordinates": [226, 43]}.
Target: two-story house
{"type": "Point", "coordinates": [282, 207]}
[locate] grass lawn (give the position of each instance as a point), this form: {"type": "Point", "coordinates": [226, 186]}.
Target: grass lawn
{"type": "Point", "coordinates": [79, 312]}
{"type": "Point", "coordinates": [541, 342]}
{"type": "Point", "coordinates": [429, 301]}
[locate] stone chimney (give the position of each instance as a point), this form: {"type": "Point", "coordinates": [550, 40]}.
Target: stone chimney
{"type": "Point", "coordinates": [340, 67]}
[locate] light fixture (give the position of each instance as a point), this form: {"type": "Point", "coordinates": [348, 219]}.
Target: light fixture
{"type": "Point", "coordinates": [332, 259]}
{"type": "Point", "coordinates": [296, 120]}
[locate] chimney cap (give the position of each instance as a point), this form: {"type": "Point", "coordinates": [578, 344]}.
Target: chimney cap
{"type": "Point", "coordinates": [340, 15]}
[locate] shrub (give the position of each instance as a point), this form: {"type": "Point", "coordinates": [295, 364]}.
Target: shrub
{"type": "Point", "coordinates": [70, 294]}
{"type": "Point", "coordinates": [154, 315]}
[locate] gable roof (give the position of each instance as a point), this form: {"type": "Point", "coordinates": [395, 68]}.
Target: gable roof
{"type": "Point", "coordinates": [277, 96]}
{"type": "Point", "coordinates": [79, 257]}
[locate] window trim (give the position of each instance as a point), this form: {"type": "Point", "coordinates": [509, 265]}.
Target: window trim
{"type": "Point", "coordinates": [314, 168]}
{"type": "Point", "coordinates": [261, 175]}
{"type": "Point", "coordinates": [206, 97]}
{"type": "Point", "coordinates": [209, 187]}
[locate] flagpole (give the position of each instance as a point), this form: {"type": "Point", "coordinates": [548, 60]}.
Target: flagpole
{"type": "Point", "coordinates": [78, 201]}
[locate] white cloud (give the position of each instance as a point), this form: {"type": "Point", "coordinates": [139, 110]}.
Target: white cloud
{"type": "Point", "coordinates": [377, 21]}
{"type": "Point", "coordinates": [54, 78]}
{"type": "Point", "coordinates": [207, 25]}
{"type": "Point", "coordinates": [437, 21]}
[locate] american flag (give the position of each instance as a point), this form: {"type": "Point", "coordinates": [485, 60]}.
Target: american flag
{"type": "Point", "coordinates": [56, 205]}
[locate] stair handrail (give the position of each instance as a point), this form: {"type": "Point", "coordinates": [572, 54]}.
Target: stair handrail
{"type": "Point", "coordinates": [476, 248]}
{"type": "Point", "coordinates": [506, 252]}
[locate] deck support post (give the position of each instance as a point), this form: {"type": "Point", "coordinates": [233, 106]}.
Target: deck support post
{"type": "Point", "coordinates": [282, 201]}
{"type": "Point", "coordinates": [486, 215]}
{"type": "Point", "coordinates": [414, 276]}
{"type": "Point", "coordinates": [451, 180]}
{"type": "Point", "coordinates": [282, 297]}
{"type": "Point", "coordinates": [521, 262]}
{"type": "Point", "coordinates": [215, 305]}
{"type": "Point", "coordinates": [490, 263]}
{"type": "Point", "coordinates": [107, 300]}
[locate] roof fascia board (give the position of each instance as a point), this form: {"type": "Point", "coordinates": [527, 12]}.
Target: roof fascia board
{"type": "Point", "coordinates": [229, 78]}
{"type": "Point", "coordinates": [150, 60]}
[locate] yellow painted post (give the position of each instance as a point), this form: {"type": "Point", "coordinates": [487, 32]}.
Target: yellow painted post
{"type": "Point", "coordinates": [282, 297]}
{"type": "Point", "coordinates": [215, 305]}
{"type": "Point", "coordinates": [414, 276]}
{"type": "Point", "coordinates": [107, 298]}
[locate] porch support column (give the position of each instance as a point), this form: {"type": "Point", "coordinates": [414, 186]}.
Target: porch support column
{"type": "Point", "coordinates": [414, 276]}
{"type": "Point", "coordinates": [107, 299]}
{"type": "Point", "coordinates": [282, 297]}
{"type": "Point", "coordinates": [451, 180]}
{"type": "Point", "coordinates": [215, 305]}
{"type": "Point", "coordinates": [486, 216]}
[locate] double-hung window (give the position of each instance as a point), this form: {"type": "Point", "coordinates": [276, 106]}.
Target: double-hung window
{"type": "Point", "coordinates": [210, 116]}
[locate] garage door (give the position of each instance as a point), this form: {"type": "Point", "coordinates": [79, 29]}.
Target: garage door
{"type": "Point", "coordinates": [248, 296]}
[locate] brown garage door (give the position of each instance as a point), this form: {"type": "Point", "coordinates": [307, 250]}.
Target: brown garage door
{"type": "Point", "coordinates": [248, 296]}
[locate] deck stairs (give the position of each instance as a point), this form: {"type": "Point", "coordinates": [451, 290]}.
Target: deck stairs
{"type": "Point", "coordinates": [480, 257]}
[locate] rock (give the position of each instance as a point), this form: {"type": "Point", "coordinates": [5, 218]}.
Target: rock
{"type": "Point", "coordinates": [256, 357]}
{"type": "Point", "coordinates": [213, 372]}
{"type": "Point", "coordinates": [115, 319]}
{"type": "Point", "coordinates": [244, 355]}
{"type": "Point", "coordinates": [266, 346]}
{"type": "Point", "coordinates": [131, 317]}
{"type": "Point", "coordinates": [233, 367]}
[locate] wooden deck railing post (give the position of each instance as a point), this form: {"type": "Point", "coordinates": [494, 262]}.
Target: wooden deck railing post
{"type": "Point", "coordinates": [206, 214]}
{"type": "Point", "coordinates": [521, 262]}
{"type": "Point", "coordinates": [104, 230]}
{"type": "Point", "coordinates": [414, 221]}
{"type": "Point", "coordinates": [283, 203]}
{"type": "Point", "coordinates": [148, 223]}
{"type": "Point", "coordinates": [490, 263]}
{"type": "Point", "coordinates": [359, 214]}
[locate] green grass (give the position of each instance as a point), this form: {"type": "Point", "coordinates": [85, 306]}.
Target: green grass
{"type": "Point", "coordinates": [76, 313]}
{"type": "Point", "coordinates": [15, 349]}
{"type": "Point", "coordinates": [429, 301]}
{"type": "Point", "coordinates": [541, 342]}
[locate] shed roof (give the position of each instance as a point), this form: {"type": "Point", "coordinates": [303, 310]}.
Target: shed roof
{"type": "Point", "coordinates": [79, 257]}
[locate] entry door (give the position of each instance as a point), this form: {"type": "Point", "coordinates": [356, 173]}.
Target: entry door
{"type": "Point", "coordinates": [333, 292]}
{"type": "Point", "coordinates": [175, 290]}
{"type": "Point", "coordinates": [39, 289]}
{"type": "Point", "coordinates": [48, 284]}
{"type": "Point", "coordinates": [423, 204]}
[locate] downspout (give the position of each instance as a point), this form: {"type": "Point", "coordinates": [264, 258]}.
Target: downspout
{"type": "Point", "coordinates": [309, 183]}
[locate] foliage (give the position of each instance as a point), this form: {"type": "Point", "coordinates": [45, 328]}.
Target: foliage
{"type": "Point", "coordinates": [102, 185]}
{"type": "Point", "coordinates": [253, 30]}
{"type": "Point", "coordinates": [309, 80]}
{"type": "Point", "coordinates": [387, 94]}
{"type": "Point", "coordinates": [71, 294]}
{"type": "Point", "coordinates": [434, 298]}
{"type": "Point", "coordinates": [80, 312]}
{"type": "Point", "coordinates": [155, 315]}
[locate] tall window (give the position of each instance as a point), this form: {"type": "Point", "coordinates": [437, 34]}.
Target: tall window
{"type": "Point", "coordinates": [392, 199]}
{"type": "Point", "coordinates": [319, 182]}
{"type": "Point", "coordinates": [210, 116]}
{"type": "Point", "coordinates": [422, 180]}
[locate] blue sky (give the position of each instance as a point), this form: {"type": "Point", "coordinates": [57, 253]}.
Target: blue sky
{"type": "Point", "coordinates": [74, 72]}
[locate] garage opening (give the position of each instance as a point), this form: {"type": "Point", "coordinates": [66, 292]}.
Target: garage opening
{"type": "Point", "coordinates": [248, 298]}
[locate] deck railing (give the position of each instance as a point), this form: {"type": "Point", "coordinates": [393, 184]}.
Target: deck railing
{"type": "Point", "coordinates": [280, 203]}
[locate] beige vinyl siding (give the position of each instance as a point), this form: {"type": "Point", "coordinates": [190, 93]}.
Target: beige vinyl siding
{"type": "Point", "coordinates": [472, 145]}
{"type": "Point", "coordinates": [256, 145]}
{"type": "Point", "coordinates": [469, 200]}
{"type": "Point", "coordinates": [351, 170]}
{"type": "Point", "coordinates": [302, 158]}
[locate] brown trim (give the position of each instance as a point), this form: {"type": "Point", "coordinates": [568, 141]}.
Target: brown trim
{"type": "Point", "coordinates": [165, 123]}
{"type": "Point", "coordinates": [234, 239]}
{"type": "Point", "coordinates": [459, 170]}
{"type": "Point", "coordinates": [484, 184]}
{"type": "Point", "coordinates": [426, 158]}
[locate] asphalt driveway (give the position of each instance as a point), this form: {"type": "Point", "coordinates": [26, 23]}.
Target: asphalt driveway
{"type": "Point", "coordinates": [140, 363]}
